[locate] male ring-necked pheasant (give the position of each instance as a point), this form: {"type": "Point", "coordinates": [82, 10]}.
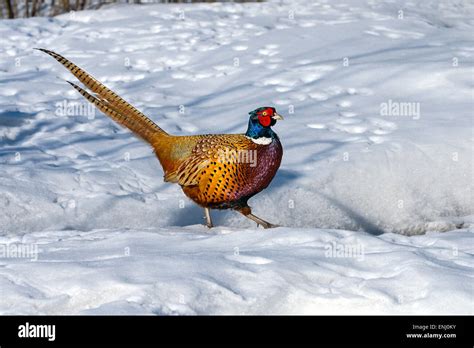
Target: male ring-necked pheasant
{"type": "Point", "coordinates": [216, 171]}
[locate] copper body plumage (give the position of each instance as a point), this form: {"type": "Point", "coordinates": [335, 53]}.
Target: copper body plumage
{"type": "Point", "coordinates": [216, 171]}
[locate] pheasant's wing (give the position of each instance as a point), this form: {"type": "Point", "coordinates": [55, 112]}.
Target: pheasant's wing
{"type": "Point", "coordinates": [212, 157]}
{"type": "Point", "coordinates": [188, 172]}
{"type": "Point", "coordinates": [105, 100]}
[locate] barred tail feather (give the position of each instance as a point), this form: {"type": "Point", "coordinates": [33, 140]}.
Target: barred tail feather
{"type": "Point", "coordinates": [144, 132]}
{"type": "Point", "coordinates": [109, 102]}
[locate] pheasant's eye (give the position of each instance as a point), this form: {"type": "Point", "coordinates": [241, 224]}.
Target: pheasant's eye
{"type": "Point", "coordinates": [264, 113]}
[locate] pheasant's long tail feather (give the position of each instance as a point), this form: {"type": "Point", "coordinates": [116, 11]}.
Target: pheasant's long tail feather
{"type": "Point", "coordinates": [146, 133]}
{"type": "Point", "coordinates": [110, 103]}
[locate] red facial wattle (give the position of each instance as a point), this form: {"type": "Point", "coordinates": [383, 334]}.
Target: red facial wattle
{"type": "Point", "coordinates": [265, 117]}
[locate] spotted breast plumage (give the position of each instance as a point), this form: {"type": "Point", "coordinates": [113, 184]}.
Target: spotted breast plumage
{"type": "Point", "coordinates": [216, 171]}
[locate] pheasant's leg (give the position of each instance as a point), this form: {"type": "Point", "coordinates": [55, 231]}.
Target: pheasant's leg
{"type": "Point", "coordinates": [247, 213]}
{"type": "Point", "coordinates": [208, 218]}
{"type": "Point", "coordinates": [259, 221]}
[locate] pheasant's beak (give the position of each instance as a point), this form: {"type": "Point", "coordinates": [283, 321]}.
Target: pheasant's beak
{"type": "Point", "coordinates": [277, 116]}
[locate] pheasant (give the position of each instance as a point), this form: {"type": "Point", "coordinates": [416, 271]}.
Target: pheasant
{"type": "Point", "coordinates": [216, 171]}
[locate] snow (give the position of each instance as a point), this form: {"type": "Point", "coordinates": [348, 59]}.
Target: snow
{"type": "Point", "coordinates": [287, 271]}
{"type": "Point", "coordinates": [374, 191]}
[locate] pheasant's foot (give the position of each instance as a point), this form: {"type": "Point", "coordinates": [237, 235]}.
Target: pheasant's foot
{"type": "Point", "coordinates": [259, 221]}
